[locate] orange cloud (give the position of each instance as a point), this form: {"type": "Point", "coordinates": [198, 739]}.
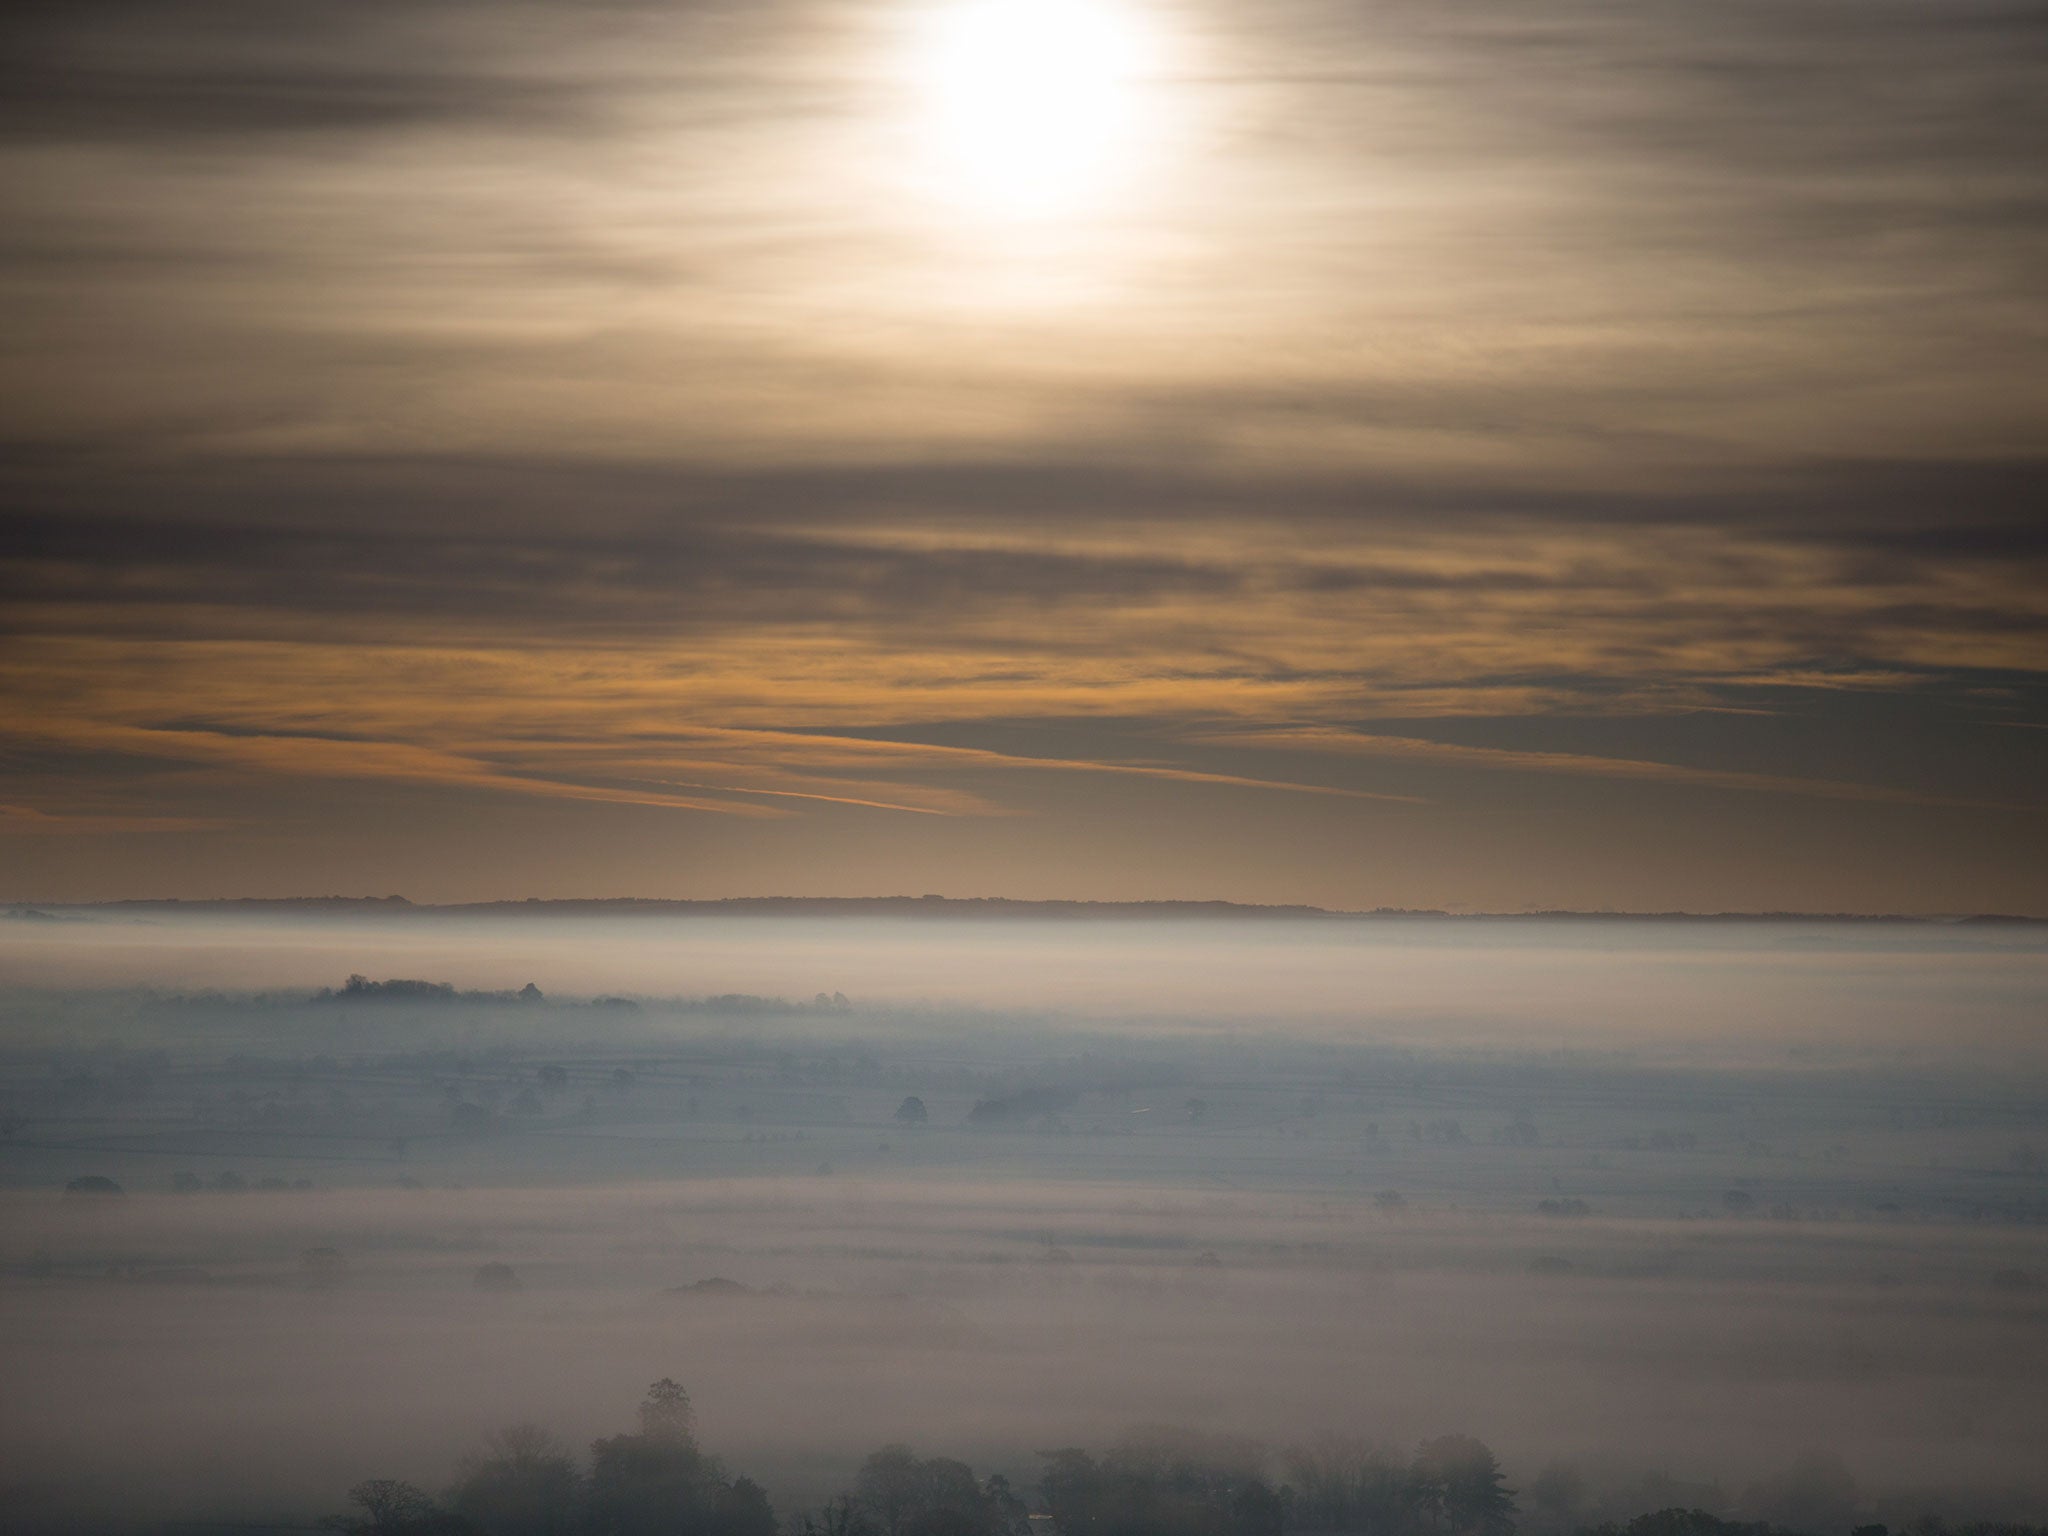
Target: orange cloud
{"type": "Point", "coordinates": [348, 759]}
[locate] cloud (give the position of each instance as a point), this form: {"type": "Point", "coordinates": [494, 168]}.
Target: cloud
{"type": "Point", "coordinates": [792, 747]}
{"type": "Point", "coordinates": [1001, 563]}
{"type": "Point", "coordinates": [30, 821]}
{"type": "Point", "coordinates": [338, 758]}
{"type": "Point", "coordinates": [738, 643]}
{"type": "Point", "coordinates": [493, 396]}
{"type": "Point", "coordinates": [1418, 749]}
{"type": "Point", "coordinates": [729, 770]}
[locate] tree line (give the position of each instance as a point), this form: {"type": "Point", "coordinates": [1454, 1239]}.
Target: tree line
{"type": "Point", "coordinates": [658, 1482]}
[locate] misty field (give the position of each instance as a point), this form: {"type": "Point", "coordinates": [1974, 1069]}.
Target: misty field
{"type": "Point", "coordinates": [1749, 1217]}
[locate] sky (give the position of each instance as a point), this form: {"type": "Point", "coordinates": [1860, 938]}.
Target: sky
{"type": "Point", "coordinates": [1475, 456]}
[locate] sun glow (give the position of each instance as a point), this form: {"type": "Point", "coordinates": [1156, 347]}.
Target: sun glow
{"type": "Point", "coordinates": [1030, 108]}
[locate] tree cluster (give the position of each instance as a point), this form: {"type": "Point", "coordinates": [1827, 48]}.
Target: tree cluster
{"type": "Point", "coordinates": [1160, 1487]}
{"type": "Point", "coordinates": [655, 1482]}
{"type": "Point", "coordinates": [1452, 1486]}
{"type": "Point", "coordinates": [897, 1494]}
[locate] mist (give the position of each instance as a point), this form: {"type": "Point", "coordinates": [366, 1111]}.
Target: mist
{"type": "Point", "coordinates": [1749, 1217]}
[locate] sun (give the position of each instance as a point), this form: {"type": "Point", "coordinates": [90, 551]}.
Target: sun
{"type": "Point", "coordinates": [1028, 109]}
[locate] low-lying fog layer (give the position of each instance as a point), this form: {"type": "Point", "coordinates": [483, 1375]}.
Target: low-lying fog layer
{"type": "Point", "coordinates": [1705, 1202]}
{"type": "Point", "coordinates": [1534, 984]}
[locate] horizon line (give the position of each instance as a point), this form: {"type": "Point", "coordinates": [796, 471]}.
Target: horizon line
{"type": "Point", "coordinates": [1189, 907]}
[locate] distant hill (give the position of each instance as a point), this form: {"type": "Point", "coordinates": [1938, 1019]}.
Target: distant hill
{"type": "Point", "coordinates": [733, 906]}
{"type": "Point", "coordinates": [947, 907]}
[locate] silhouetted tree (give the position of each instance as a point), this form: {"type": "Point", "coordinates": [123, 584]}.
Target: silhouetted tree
{"type": "Point", "coordinates": [951, 1502]}
{"type": "Point", "coordinates": [1460, 1488]}
{"type": "Point", "coordinates": [393, 1508]}
{"type": "Point", "coordinates": [1679, 1522]}
{"type": "Point", "coordinates": [1155, 1488]}
{"type": "Point", "coordinates": [1348, 1485]}
{"type": "Point", "coordinates": [1071, 1487]}
{"type": "Point", "coordinates": [903, 1496]}
{"type": "Point", "coordinates": [912, 1111]}
{"type": "Point", "coordinates": [1011, 1513]}
{"type": "Point", "coordinates": [742, 1509]}
{"type": "Point", "coordinates": [525, 1484]}
{"type": "Point", "coordinates": [1558, 1494]}
{"type": "Point", "coordinates": [655, 1483]}
{"type": "Point", "coordinates": [886, 1488]}
{"type": "Point", "coordinates": [666, 1414]}
{"type": "Point", "coordinates": [841, 1516]}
